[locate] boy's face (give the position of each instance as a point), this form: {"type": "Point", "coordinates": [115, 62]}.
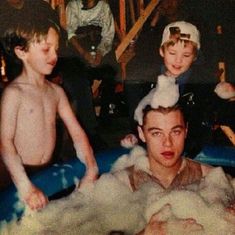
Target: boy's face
{"type": "Point", "coordinates": [41, 56]}
{"type": "Point", "coordinates": [178, 57]}
{"type": "Point", "coordinates": [164, 135]}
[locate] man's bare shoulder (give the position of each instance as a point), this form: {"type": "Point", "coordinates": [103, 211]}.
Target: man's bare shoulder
{"type": "Point", "coordinates": [205, 168]}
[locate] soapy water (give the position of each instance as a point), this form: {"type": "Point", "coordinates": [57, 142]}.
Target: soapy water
{"type": "Point", "coordinates": [109, 205]}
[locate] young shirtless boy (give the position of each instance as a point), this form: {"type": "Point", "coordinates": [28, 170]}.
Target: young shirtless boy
{"type": "Point", "coordinates": [29, 107]}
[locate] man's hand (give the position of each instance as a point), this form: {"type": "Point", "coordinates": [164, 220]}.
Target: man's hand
{"type": "Point", "coordinates": [88, 57]}
{"type": "Point", "coordinates": [129, 141]}
{"type": "Point", "coordinates": [98, 58]}
{"type": "Point", "coordinates": [158, 226]}
{"type": "Point", "coordinates": [225, 90]}
{"type": "Point", "coordinates": [231, 208]}
{"type": "Point", "coordinates": [93, 61]}
{"type": "Point", "coordinates": [35, 198]}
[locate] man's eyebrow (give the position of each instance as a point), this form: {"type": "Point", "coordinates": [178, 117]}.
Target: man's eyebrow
{"type": "Point", "coordinates": [154, 129]}
{"type": "Point", "coordinates": [178, 126]}
{"type": "Point", "coordinates": [159, 129]}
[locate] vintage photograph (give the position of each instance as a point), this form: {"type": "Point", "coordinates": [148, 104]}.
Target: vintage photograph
{"type": "Point", "coordinates": [117, 117]}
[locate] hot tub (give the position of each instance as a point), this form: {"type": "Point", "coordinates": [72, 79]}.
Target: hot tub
{"type": "Point", "coordinates": [59, 177]}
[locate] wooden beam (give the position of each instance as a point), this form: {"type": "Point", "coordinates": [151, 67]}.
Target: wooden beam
{"type": "Point", "coordinates": [62, 13]}
{"type": "Point", "coordinates": [135, 29]}
{"type": "Point", "coordinates": [229, 133]}
{"type": "Point", "coordinates": [59, 5]}
{"type": "Point", "coordinates": [118, 31]}
{"type": "Point", "coordinates": [140, 5]}
{"type": "Point", "coordinates": [132, 11]}
{"type": "Point", "coordinates": [122, 17]}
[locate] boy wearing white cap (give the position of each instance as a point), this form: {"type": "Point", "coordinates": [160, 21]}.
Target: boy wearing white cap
{"type": "Point", "coordinates": [179, 50]}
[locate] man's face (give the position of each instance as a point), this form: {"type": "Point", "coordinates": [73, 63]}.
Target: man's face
{"type": "Point", "coordinates": [164, 135]}
{"type": "Point", "coordinates": [88, 4]}
{"type": "Point", "coordinates": [178, 58]}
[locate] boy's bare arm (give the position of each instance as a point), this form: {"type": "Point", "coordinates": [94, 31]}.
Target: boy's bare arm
{"type": "Point", "coordinates": [79, 137]}
{"type": "Point", "coordinates": [9, 110]}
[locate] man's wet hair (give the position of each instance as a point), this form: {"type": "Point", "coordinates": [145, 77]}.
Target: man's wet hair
{"type": "Point", "coordinates": [22, 33]}
{"type": "Point", "coordinates": [164, 110]}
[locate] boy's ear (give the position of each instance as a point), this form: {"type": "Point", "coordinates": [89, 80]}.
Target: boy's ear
{"type": "Point", "coordinates": [141, 134]}
{"type": "Point", "coordinates": [161, 52]}
{"type": "Point", "coordinates": [19, 52]}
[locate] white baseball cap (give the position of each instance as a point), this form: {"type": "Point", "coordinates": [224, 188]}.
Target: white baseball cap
{"type": "Point", "coordinates": [181, 30]}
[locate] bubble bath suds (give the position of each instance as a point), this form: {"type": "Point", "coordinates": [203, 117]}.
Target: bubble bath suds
{"type": "Point", "coordinates": [109, 205]}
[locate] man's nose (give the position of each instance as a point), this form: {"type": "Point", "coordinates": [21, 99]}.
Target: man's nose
{"type": "Point", "coordinates": [167, 141]}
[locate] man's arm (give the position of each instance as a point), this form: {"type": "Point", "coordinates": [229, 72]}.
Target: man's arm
{"type": "Point", "coordinates": [72, 22]}
{"type": "Point", "coordinates": [79, 137]}
{"type": "Point", "coordinates": [159, 225]}
{"type": "Point", "coordinates": [104, 20]}
{"type": "Point", "coordinates": [81, 51]}
{"type": "Point", "coordinates": [30, 194]}
{"type": "Point", "coordinates": [108, 30]}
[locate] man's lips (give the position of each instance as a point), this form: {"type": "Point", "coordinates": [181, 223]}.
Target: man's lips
{"type": "Point", "coordinates": [167, 154]}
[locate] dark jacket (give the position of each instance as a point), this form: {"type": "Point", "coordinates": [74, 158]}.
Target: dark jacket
{"type": "Point", "coordinates": [204, 110]}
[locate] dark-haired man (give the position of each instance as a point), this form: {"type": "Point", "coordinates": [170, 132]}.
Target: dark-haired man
{"type": "Point", "coordinates": [90, 28]}
{"type": "Point", "coordinates": [164, 131]}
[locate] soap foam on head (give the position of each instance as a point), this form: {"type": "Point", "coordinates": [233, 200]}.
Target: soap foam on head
{"type": "Point", "coordinates": [166, 94]}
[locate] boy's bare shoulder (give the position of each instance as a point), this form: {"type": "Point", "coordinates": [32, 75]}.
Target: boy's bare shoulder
{"type": "Point", "coordinates": [12, 89]}
{"type": "Point", "coordinates": [57, 88]}
{"type": "Point", "coordinates": [54, 85]}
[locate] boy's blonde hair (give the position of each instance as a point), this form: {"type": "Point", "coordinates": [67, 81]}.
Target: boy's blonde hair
{"type": "Point", "coordinates": [184, 42]}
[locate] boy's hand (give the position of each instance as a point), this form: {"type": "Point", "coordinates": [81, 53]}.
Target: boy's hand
{"type": "Point", "coordinates": [35, 198]}
{"type": "Point", "coordinates": [90, 177]}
